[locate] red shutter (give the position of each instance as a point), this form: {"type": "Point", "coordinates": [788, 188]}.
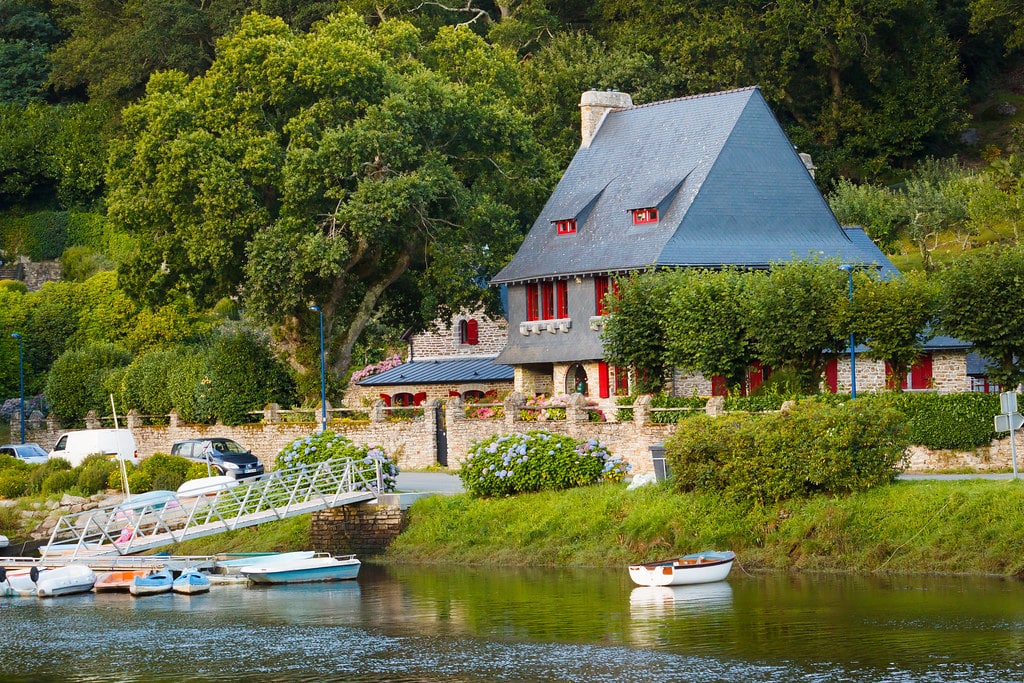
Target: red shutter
{"type": "Point", "coordinates": [718, 386]}
{"type": "Point", "coordinates": [600, 290]}
{"type": "Point", "coordinates": [563, 299]}
{"type": "Point", "coordinates": [492, 393]}
{"type": "Point", "coordinates": [832, 375]}
{"type": "Point", "coordinates": [531, 302]}
{"type": "Point", "coordinates": [472, 331]}
{"type": "Point", "coordinates": [602, 380]}
{"type": "Point", "coordinates": [419, 399]}
{"type": "Point", "coordinates": [386, 399]}
{"type": "Point", "coordinates": [453, 394]}
{"type": "Point", "coordinates": [547, 298]}
{"type": "Point", "coordinates": [755, 376]}
{"type": "Point", "coordinates": [621, 381]}
{"type": "Point", "coordinates": [921, 373]}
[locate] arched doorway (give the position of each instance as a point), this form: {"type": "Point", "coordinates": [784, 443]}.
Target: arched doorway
{"type": "Point", "coordinates": [576, 380]}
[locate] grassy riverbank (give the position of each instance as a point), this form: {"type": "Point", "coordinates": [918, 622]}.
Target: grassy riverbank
{"type": "Point", "coordinates": [963, 527]}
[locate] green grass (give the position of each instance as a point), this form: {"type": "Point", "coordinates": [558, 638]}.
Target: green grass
{"type": "Point", "coordinates": [960, 527]}
{"type": "Point", "coordinates": [282, 536]}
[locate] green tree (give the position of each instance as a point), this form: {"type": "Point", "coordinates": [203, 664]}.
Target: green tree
{"type": "Point", "coordinates": [893, 317]}
{"type": "Point", "coordinates": [979, 302]}
{"type": "Point", "coordinates": [77, 381]}
{"type": "Point", "coordinates": [26, 37]}
{"type": "Point", "coordinates": [633, 335]}
{"type": "Point", "coordinates": [242, 375]}
{"type": "Point", "coordinates": [797, 316]}
{"type": "Point", "coordinates": [704, 323]}
{"type": "Point", "coordinates": [13, 318]}
{"type": "Point", "coordinates": [355, 158]}
{"type": "Point", "coordinates": [879, 210]}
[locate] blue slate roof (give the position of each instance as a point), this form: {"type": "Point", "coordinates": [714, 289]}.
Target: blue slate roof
{"type": "Point", "coordinates": [441, 372]}
{"type": "Point", "coordinates": [729, 186]}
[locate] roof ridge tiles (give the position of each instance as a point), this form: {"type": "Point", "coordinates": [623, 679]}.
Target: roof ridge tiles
{"type": "Point", "coordinates": [689, 97]}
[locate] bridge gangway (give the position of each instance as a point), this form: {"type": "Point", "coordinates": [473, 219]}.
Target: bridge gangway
{"type": "Point", "coordinates": [129, 528]}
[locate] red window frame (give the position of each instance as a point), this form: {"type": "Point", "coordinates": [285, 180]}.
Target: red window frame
{"type": "Point", "coordinates": [563, 298]}
{"type": "Point", "coordinates": [547, 300]}
{"type": "Point", "coordinates": [532, 312]}
{"type": "Point", "coordinates": [645, 215]}
{"type": "Point", "coordinates": [566, 227]}
{"type": "Point", "coordinates": [469, 331]}
{"type": "Point", "coordinates": [600, 291]}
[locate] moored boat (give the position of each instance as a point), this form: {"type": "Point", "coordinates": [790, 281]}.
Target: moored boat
{"type": "Point", "coordinates": [152, 584]}
{"type": "Point", "coordinates": [190, 582]}
{"type": "Point", "coordinates": [116, 581]}
{"type": "Point", "coordinates": [235, 563]}
{"type": "Point", "coordinates": [321, 567]}
{"type": "Point", "coordinates": [19, 582]}
{"type": "Point", "coordinates": [206, 486]}
{"type": "Point", "coordinates": [67, 580]}
{"type": "Point", "coordinates": [704, 567]}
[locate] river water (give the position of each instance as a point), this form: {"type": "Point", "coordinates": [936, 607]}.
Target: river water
{"type": "Point", "coordinates": [456, 624]}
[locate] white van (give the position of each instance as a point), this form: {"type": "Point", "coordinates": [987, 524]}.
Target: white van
{"type": "Point", "coordinates": [75, 446]}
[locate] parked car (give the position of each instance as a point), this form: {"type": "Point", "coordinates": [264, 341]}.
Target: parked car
{"type": "Point", "coordinates": [32, 453]}
{"type": "Point", "coordinates": [114, 443]}
{"type": "Point", "coordinates": [225, 456]}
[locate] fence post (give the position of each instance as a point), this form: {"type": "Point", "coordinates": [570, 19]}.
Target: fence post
{"type": "Point", "coordinates": [377, 412]}
{"type": "Point", "coordinates": [642, 410]}
{"type": "Point", "coordinates": [133, 421]}
{"type": "Point", "coordinates": [576, 409]}
{"type": "Point", "coordinates": [715, 406]}
{"type": "Point", "coordinates": [92, 420]}
{"type": "Point", "coordinates": [514, 402]}
{"type": "Point", "coordinates": [172, 419]}
{"type": "Point", "coordinates": [271, 413]}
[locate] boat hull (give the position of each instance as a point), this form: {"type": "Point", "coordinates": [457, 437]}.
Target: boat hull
{"type": "Point", "coordinates": [304, 571]}
{"type": "Point", "coordinates": [191, 582]}
{"type": "Point", "coordinates": [74, 578]}
{"type": "Point", "coordinates": [706, 567]}
{"type": "Point", "coordinates": [152, 584]}
{"type": "Point", "coordinates": [116, 581]}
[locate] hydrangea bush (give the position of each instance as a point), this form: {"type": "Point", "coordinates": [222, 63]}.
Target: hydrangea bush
{"type": "Point", "coordinates": [519, 463]}
{"type": "Point", "coordinates": [376, 368]}
{"type": "Point", "coordinates": [326, 445]}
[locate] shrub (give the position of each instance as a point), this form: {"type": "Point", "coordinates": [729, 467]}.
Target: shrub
{"type": "Point", "coordinates": [695, 405]}
{"type": "Point", "coordinates": [147, 385]}
{"type": "Point", "coordinates": [38, 474]}
{"type": "Point", "coordinates": [76, 382]}
{"type": "Point", "coordinates": [8, 462]}
{"type": "Point", "coordinates": [139, 481]}
{"type": "Point", "coordinates": [165, 472]}
{"type": "Point", "coordinates": [78, 264]}
{"type": "Point", "coordinates": [94, 474]}
{"type": "Point", "coordinates": [59, 482]}
{"type": "Point", "coordinates": [327, 445]}
{"type": "Point", "coordinates": [244, 376]}
{"type": "Point", "coordinates": [535, 461]}
{"type": "Point", "coordinates": [814, 448]}
{"type": "Point", "coordinates": [13, 483]}
{"type": "Point", "coordinates": [13, 286]}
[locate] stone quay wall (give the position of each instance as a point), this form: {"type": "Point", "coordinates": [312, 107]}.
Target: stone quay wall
{"type": "Point", "coordinates": [365, 529]}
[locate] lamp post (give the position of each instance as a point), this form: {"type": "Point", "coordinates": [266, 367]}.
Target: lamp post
{"type": "Point", "coordinates": [848, 269]}
{"type": "Point", "coordinates": [323, 372]}
{"type": "Point", "coordinates": [21, 382]}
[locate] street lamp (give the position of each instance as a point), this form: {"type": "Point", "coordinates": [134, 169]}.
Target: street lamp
{"type": "Point", "coordinates": [323, 373]}
{"type": "Point", "coordinates": [848, 269]}
{"type": "Point", "coordinates": [21, 381]}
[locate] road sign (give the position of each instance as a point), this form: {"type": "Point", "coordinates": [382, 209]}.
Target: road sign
{"type": "Point", "coordinates": [1011, 422]}
{"type": "Point", "coordinates": [1008, 402]}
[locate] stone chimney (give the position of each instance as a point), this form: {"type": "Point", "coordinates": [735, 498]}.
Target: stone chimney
{"type": "Point", "coordinates": [808, 164]}
{"type": "Point", "coordinates": [594, 104]}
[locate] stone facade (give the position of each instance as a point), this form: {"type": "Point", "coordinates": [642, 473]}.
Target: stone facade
{"type": "Point", "coordinates": [949, 373]}
{"type": "Point", "coordinates": [365, 529]}
{"type": "Point", "coordinates": [446, 340]}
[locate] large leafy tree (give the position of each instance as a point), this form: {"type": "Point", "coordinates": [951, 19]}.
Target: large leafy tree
{"type": "Point", "coordinates": [26, 37]}
{"type": "Point", "coordinates": [633, 334]}
{"type": "Point", "coordinates": [893, 317]}
{"type": "Point", "coordinates": [328, 168]}
{"type": "Point", "coordinates": [980, 297]}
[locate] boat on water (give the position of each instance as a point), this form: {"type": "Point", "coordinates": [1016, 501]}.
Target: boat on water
{"type": "Point", "coordinates": [320, 567]}
{"type": "Point", "coordinates": [234, 563]}
{"type": "Point", "coordinates": [206, 486]}
{"type": "Point", "coordinates": [705, 567]}
{"type": "Point", "coordinates": [4, 541]}
{"type": "Point", "coordinates": [152, 584]}
{"type": "Point", "coordinates": [46, 583]}
{"type": "Point", "coordinates": [116, 581]}
{"type": "Point", "coordinates": [190, 582]}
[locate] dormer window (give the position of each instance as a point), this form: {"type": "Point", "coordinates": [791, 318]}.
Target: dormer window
{"type": "Point", "coordinates": [566, 227]}
{"type": "Point", "coordinates": [641, 216]}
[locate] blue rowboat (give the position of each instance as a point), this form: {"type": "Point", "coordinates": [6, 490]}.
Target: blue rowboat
{"type": "Point", "coordinates": [318, 568]}
{"type": "Point", "coordinates": [152, 583]}
{"type": "Point", "coordinates": [190, 582]}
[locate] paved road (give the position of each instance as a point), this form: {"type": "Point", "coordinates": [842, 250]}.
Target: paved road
{"type": "Point", "coordinates": [437, 482]}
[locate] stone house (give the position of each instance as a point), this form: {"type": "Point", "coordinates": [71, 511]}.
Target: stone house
{"type": "Point", "coordinates": [703, 181]}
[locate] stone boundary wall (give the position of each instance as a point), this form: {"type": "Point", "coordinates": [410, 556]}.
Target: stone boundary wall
{"type": "Point", "coordinates": [365, 529]}
{"type": "Point", "coordinates": [412, 444]}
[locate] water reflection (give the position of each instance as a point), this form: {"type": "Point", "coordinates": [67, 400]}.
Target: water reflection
{"type": "Point", "coordinates": [457, 624]}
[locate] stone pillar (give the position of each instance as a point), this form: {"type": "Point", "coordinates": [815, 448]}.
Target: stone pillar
{"type": "Point", "coordinates": [377, 412]}
{"type": "Point", "coordinates": [715, 406]}
{"type": "Point", "coordinates": [576, 409]}
{"type": "Point", "coordinates": [16, 423]}
{"type": "Point", "coordinates": [134, 420]}
{"type": "Point", "coordinates": [172, 419]}
{"type": "Point", "coordinates": [52, 423]}
{"type": "Point", "coordinates": [642, 410]}
{"type": "Point", "coordinates": [92, 420]}
{"type": "Point", "coordinates": [456, 412]}
{"type": "Point", "coordinates": [514, 402]}
{"type": "Point", "coordinates": [271, 413]}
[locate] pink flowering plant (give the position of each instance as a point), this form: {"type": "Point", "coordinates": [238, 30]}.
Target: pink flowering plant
{"type": "Point", "coordinates": [554, 409]}
{"type": "Point", "coordinates": [327, 445]}
{"type": "Point", "coordinates": [507, 464]}
{"type": "Point", "coordinates": [376, 368]}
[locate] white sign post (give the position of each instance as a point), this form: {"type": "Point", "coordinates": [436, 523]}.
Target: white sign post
{"type": "Point", "coordinates": [1010, 421]}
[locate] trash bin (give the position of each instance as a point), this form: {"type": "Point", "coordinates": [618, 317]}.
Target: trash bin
{"type": "Point", "coordinates": [661, 468]}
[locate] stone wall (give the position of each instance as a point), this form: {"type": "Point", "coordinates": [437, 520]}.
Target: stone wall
{"type": "Point", "coordinates": [446, 342]}
{"type": "Point", "coordinates": [365, 529]}
{"type": "Point", "coordinates": [38, 274]}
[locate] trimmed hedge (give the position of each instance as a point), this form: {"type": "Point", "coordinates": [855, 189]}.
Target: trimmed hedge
{"type": "Point", "coordinates": [814, 448]}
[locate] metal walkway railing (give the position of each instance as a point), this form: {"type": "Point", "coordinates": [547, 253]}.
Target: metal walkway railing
{"type": "Point", "coordinates": [125, 528]}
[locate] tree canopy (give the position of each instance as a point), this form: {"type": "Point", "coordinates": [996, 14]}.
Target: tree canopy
{"type": "Point", "coordinates": [323, 168]}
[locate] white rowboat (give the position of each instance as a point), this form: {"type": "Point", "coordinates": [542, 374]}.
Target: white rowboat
{"type": "Point", "coordinates": [318, 568]}
{"type": "Point", "coordinates": [705, 567]}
